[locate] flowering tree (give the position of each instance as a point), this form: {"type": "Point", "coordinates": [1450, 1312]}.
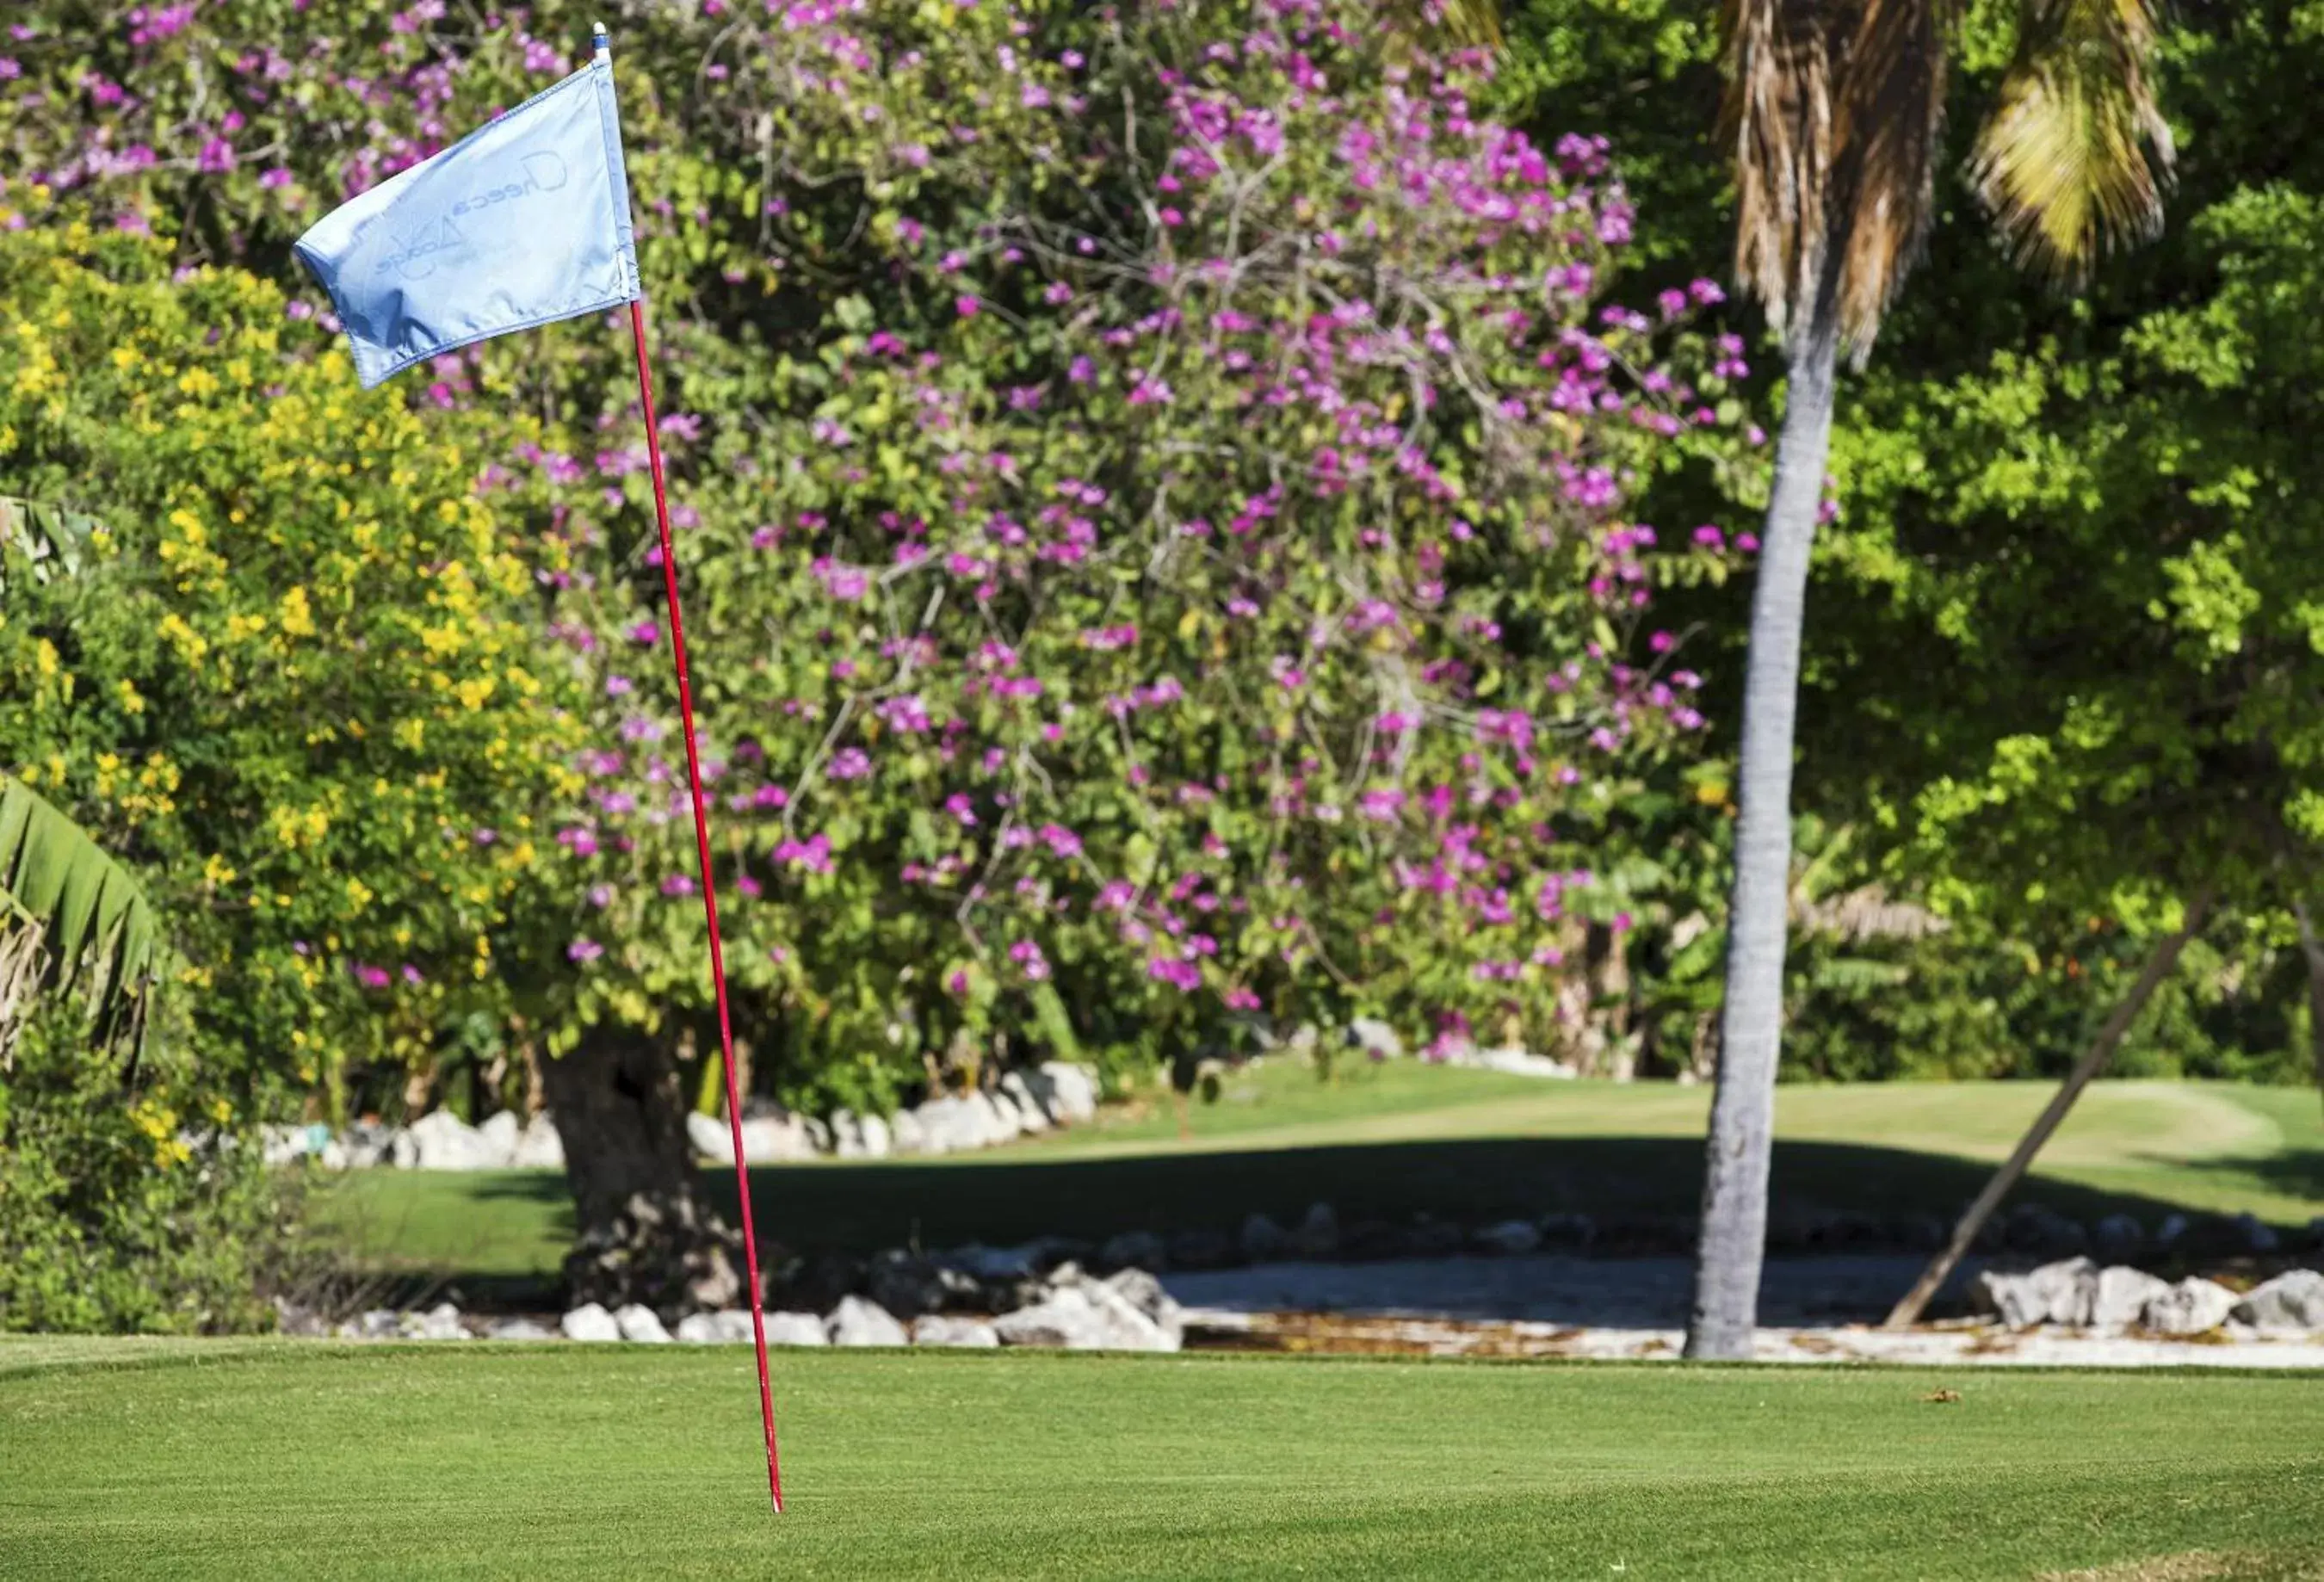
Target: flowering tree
{"type": "Point", "coordinates": [1160, 489]}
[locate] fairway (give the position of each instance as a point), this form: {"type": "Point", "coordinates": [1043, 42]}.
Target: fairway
{"type": "Point", "coordinates": [234, 1459]}
{"type": "Point", "coordinates": [1393, 1140]}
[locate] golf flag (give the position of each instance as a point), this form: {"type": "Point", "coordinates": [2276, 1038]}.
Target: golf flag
{"type": "Point", "coordinates": [521, 223]}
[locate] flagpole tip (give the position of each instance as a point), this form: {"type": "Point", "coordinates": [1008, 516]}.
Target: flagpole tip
{"type": "Point", "coordinates": [598, 40]}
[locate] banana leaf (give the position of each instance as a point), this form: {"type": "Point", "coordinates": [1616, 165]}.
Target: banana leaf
{"type": "Point", "coordinates": [101, 935]}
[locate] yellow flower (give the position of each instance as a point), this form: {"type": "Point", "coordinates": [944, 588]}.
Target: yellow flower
{"type": "Point", "coordinates": [297, 619]}
{"type": "Point", "coordinates": [218, 870]}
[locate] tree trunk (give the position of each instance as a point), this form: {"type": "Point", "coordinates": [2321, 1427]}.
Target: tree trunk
{"type": "Point", "coordinates": [2093, 1061]}
{"type": "Point", "coordinates": [642, 1232]}
{"type": "Point", "coordinates": [2313, 950]}
{"type": "Point", "coordinates": [1742, 1112]}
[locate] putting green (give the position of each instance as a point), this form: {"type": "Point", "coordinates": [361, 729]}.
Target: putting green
{"type": "Point", "coordinates": [237, 1459]}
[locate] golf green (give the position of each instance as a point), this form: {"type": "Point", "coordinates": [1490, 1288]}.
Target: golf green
{"type": "Point", "coordinates": [257, 1459]}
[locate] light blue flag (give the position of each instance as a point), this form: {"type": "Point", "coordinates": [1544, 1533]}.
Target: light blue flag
{"type": "Point", "coordinates": [521, 223]}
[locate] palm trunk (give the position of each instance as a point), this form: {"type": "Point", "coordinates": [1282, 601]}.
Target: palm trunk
{"type": "Point", "coordinates": [2314, 952]}
{"type": "Point", "coordinates": [642, 1232]}
{"type": "Point", "coordinates": [1742, 1112]}
{"type": "Point", "coordinates": [2092, 1062]}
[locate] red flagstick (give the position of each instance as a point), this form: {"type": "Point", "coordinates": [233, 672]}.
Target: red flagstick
{"type": "Point", "coordinates": [709, 893]}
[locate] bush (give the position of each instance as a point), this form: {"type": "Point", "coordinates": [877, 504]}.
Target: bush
{"type": "Point", "coordinates": [127, 1204]}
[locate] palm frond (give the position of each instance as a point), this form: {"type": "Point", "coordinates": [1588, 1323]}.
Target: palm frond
{"type": "Point", "coordinates": [98, 933]}
{"type": "Point", "coordinates": [2063, 163]}
{"type": "Point", "coordinates": [1889, 124]}
{"type": "Point", "coordinates": [1778, 122]}
{"type": "Point", "coordinates": [1833, 112]}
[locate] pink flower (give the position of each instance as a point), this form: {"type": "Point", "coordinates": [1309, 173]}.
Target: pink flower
{"type": "Point", "coordinates": [966, 305]}
{"type": "Point", "coordinates": [583, 949]}
{"type": "Point", "coordinates": [678, 884]}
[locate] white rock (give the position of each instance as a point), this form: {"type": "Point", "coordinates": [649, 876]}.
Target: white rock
{"type": "Point", "coordinates": [442, 1322]}
{"type": "Point", "coordinates": [1065, 1319]}
{"type": "Point", "coordinates": [951, 1125]}
{"type": "Point", "coordinates": [339, 1155]}
{"type": "Point", "coordinates": [2121, 1296]}
{"type": "Point", "coordinates": [379, 1323]}
{"type": "Point", "coordinates": [1376, 1037]}
{"type": "Point", "coordinates": [950, 1329]}
{"type": "Point", "coordinates": [539, 1146]}
{"type": "Point", "coordinates": [767, 1139]}
{"type": "Point", "coordinates": [1144, 1293]}
{"type": "Point", "coordinates": [846, 1135]}
{"type": "Point", "coordinates": [878, 1141]}
{"type": "Point", "coordinates": [787, 1329]}
{"type": "Point", "coordinates": [498, 1137]}
{"type": "Point", "coordinates": [638, 1323]}
{"type": "Point", "coordinates": [1071, 1094]}
{"type": "Point", "coordinates": [2055, 1293]}
{"type": "Point", "coordinates": [279, 1143]}
{"type": "Point", "coordinates": [907, 1137]}
{"type": "Point", "coordinates": [520, 1329]}
{"type": "Point", "coordinates": [2292, 1300]}
{"type": "Point", "coordinates": [857, 1321]}
{"type": "Point", "coordinates": [997, 1123]}
{"type": "Point", "coordinates": [402, 1149]}
{"type": "Point", "coordinates": [1513, 1062]}
{"type": "Point", "coordinates": [731, 1326]}
{"type": "Point", "coordinates": [589, 1322]}
{"type": "Point", "coordinates": [1032, 1115]}
{"type": "Point", "coordinates": [710, 1136]}
{"type": "Point", "coordinates": [819, 1134]}
{"type": "Point", "coordinates": [1089, 1317]}
{"type": "Point", "coordinates": [443, 1141]}
{"type": "Point", "coordinates": [2193, 1307]}
{"type": "Point", "coordinates": [1511, 1236]}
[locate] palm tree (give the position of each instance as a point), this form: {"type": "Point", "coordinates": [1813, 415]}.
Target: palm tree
{"type": "Point", "coordinates": [1835, 110]}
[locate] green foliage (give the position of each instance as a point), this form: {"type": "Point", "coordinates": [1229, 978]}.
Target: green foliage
{"type": "Point", "coordinates": [291, 686]}
{"type": "Point", "coordinates": [127, 1204]}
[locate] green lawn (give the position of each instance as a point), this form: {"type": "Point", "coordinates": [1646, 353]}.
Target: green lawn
{"type": "Point", "coordinates": [238, 1459]}
{"type": "Point", "coordinates": [1390, 1141]}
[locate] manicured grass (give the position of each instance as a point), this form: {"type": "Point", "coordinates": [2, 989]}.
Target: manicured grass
{"type": "Point", "coordinates": [278, 1458]}
{"type": "Point", "coordinates": [1388, 1141]}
